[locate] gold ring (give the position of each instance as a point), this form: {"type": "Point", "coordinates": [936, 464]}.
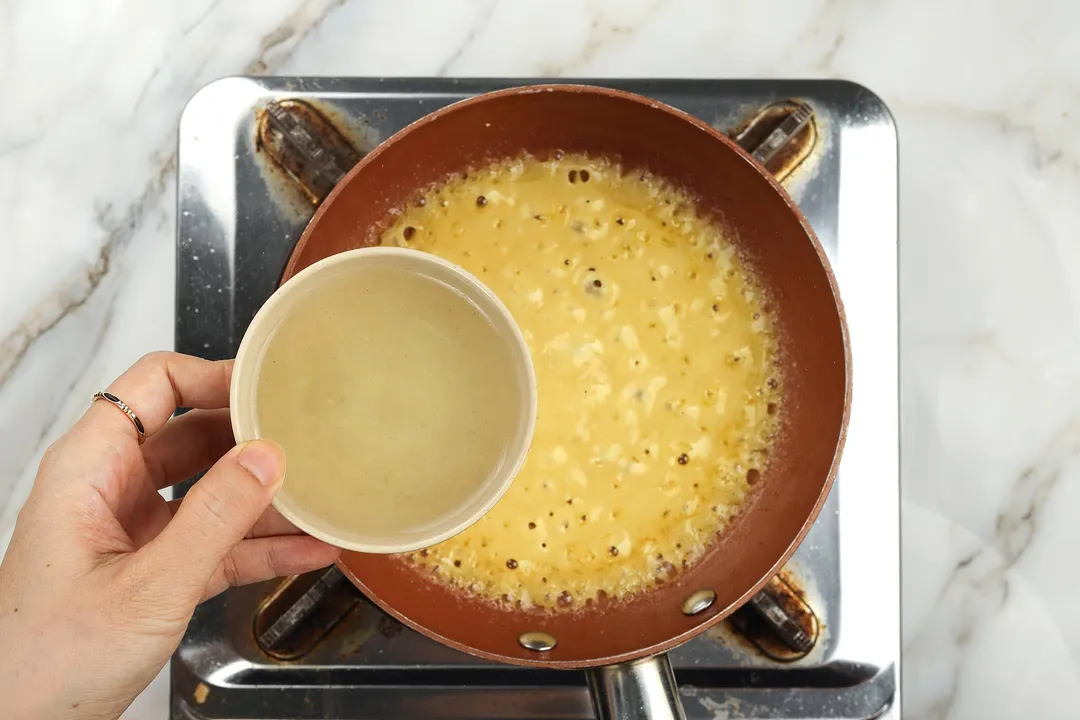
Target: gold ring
{"type": "Point", "coordinates": [110, 398]}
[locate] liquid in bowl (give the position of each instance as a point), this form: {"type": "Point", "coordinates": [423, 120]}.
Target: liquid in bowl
{"type": "Point", "coordinates": [399, 403]}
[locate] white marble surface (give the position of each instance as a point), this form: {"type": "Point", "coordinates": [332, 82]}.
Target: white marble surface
{"type": "Point", "coordinates": [986, 97]}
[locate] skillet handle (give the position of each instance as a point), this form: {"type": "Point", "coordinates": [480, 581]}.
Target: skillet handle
{"type": "Point", "coordinates": [639, 690]}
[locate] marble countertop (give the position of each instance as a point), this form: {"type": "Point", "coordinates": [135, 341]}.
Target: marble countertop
{"type": "Point", "coordinates": [986, 105]}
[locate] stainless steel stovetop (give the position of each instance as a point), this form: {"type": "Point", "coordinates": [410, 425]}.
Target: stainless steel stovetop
{"type": "Point", "coordinates": [257, 155]}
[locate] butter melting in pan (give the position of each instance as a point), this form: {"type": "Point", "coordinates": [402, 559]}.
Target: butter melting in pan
{"type": "Point", "coordinates": [656, 366]}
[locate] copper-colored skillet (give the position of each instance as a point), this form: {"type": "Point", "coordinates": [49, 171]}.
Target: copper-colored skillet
{"type": "Point", "coordinates": [623, 644]}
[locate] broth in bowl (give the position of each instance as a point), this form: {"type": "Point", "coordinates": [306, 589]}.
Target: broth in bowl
{"type": "Point", "coordinates": [401, 390]}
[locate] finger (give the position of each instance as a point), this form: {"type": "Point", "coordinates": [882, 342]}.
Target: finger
{"type": "Point", "coordinates": [219, 510]}
{"type": "Point", "coordinates": [269, 524]}
{"type": "Point", "coordinates": [158, 384]}
{"type": "Point", "coordinates": [270, 557]}
{"type": "Point", "coordinates": [187, 445]}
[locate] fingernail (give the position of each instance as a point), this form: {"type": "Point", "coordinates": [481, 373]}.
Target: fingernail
{"type": "Point", "coordinates": [264, 459]}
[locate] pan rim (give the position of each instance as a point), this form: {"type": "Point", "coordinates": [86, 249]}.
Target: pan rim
{"type": "Point", "coordinates": [716, 616]}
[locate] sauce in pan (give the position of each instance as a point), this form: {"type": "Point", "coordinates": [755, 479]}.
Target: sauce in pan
{"type": "Point", "coordinates": [657, 374]}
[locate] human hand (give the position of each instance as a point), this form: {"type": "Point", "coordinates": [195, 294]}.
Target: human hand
{"type": "Point", "coordinates": [102, 574]}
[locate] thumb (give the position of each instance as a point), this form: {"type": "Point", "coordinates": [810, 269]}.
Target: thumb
{"type": "Point", "coordinates": [220, 509]}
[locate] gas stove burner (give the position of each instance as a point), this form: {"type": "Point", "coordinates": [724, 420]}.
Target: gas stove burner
{"type": "Point", "coordinates": [820, 640]}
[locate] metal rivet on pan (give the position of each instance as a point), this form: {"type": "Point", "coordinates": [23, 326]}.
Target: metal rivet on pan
{"type": "Point", "coordinates": [698, 602]}
{"type": "Point", "coordinates": [538, 641]}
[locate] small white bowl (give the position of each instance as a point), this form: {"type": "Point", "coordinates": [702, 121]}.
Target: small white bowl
{"type": "Point", "coordinates": [249, 358]}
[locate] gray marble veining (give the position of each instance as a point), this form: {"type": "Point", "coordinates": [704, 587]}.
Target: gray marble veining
{"type": "Point", "coordinates": [986, 103]}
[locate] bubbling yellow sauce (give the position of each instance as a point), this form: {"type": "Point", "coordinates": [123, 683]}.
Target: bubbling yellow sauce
{"type": "Point", "coordinates": [657, 374]}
